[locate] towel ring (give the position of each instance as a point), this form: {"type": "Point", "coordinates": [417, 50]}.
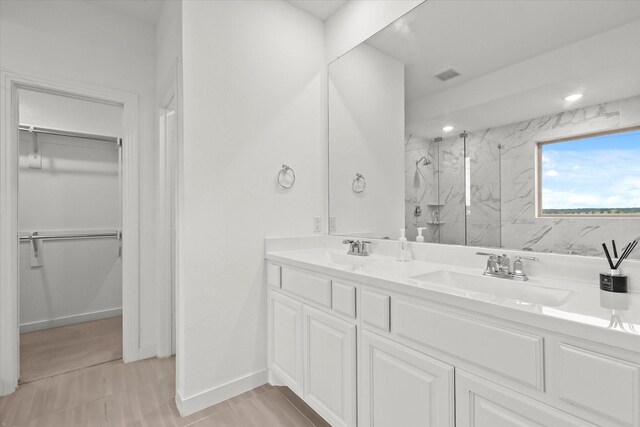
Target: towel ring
{"type": "Point", "coordinates": [359, 183]}
{"type": "Point", "coordinates": [286, 177]}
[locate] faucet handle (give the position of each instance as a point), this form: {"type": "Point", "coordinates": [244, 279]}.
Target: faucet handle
{"type": "Point", "coordinates": [518, 267]}
{"type": "Point", "coordinates": [493, 264]}
{"type": "Point", "coordinates": [363, 247]}
{"type": "Point", "coordinates": [354, 246]}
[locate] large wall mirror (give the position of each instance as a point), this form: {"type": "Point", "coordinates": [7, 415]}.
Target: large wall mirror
{"type": "Point", "coordinates": [494, 124]}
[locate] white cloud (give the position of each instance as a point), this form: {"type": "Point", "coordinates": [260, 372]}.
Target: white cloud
{"type": "Point", "coordinates": [591, 179]}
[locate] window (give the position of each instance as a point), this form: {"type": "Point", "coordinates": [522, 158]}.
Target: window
{"type": "Point", "coordinates": [596, 175]}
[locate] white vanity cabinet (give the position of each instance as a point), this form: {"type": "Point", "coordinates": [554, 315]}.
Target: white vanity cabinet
{"type": "Point", "coordinates": [330, 366]}
{"type": "Point", "coordinates": [285, 325]}
{"type": "Point", "coordinates": [367, 355]}
{"type": "Point", "coordinates": [312, 341]}
{"type": "Point", "coordinates": [403, 387]}
{"type": "Point", "coordinates": [480, 403]}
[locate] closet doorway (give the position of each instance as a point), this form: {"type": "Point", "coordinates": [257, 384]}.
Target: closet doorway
{"type": "Point", "coordinates": [69, 222]}
{"type": "Point", "coordinates": [19, 152]}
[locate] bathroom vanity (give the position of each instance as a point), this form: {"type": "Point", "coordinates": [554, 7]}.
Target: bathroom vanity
{"type": "Point", "coordinates": [370, 341]}
{"type": "Point", "coordinates": [486, 138]}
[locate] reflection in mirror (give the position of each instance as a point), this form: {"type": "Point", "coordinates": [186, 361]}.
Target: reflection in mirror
{"type": "Point", "coordinates": [443, 112]}
{"type": "Point", "coordinates": [590, 175]}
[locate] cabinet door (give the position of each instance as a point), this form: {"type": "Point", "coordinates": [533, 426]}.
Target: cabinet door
{"type": "Point", "coordinates": [330, 367]}
{"type": "Point", "coordinates": [403, 387]}
{"type": "Point", "coordinates": [480, 403]}
{"type": "Point", "coordinates": [286, 341]}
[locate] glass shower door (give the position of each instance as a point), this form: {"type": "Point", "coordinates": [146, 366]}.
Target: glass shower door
{"type": "Point", "coordinates": [483, 197]}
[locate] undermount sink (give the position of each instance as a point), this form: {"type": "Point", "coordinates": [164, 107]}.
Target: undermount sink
{"type": "Point", "coordinates": [350, 261]}
{"type": "Point", "coordinates": [501, 288]}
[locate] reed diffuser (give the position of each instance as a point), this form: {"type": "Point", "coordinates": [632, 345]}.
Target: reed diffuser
{"type": "Point", "coordinates": [614, 280]}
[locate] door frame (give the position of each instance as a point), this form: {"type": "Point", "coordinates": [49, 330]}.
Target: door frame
{"type": "Point", "coordinates": [167, 215]}
{"type": "Point", "coordinates": [10, 82]}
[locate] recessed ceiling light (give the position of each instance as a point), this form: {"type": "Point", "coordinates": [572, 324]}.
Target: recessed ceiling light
{"type": "Point", "coordinates": [573, 97]}
{"type": "Point", "coordinates": [447, 128]}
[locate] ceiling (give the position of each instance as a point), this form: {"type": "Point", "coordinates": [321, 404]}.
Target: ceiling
{"type": "Point", "coordinates": [517, 60]}
{"type": "Point", "coordinates": [147, 11]}
{"type": "Point", "coordinates": [482, 36]}
{"type": "Point", "coordinates": [321, 9]}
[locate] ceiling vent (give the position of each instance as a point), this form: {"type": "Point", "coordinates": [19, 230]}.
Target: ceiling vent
{"type": "Point", "coordinates": [447, 74]}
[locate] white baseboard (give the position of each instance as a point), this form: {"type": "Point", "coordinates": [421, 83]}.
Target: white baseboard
{"type": "Point", "coordinates": [70, 320]}
{"type": "Point", "coordinates": [198, 402]}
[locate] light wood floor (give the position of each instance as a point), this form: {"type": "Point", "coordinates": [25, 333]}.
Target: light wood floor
{"type": "Point", "coordinates": [55, 351]}
{"type": "Point", "coordinates": [142, 394]}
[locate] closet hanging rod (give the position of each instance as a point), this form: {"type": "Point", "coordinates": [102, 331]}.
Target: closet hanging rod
{"type": "Point", "coordinates": [68, 133]}
{"type": "Point", "coordinates": [113, 235]}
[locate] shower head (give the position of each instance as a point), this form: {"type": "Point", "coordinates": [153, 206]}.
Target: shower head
{"type": "Point", "coordinates": [424, 161]}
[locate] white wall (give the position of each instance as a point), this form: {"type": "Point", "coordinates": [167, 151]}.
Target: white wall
{"type": "Point", "coordinates": [366, 134]}
{"type": "Point", "coordinates": [78, 41]}
{"type": "Point", "coordinates": [168, 46]}
{"type": "Point", "coordinates": [358, 20]}
{"type": "Point", "coordinates": [254, 98]}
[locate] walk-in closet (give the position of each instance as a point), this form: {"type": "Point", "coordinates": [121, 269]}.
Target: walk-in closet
{"type": "Point", "coordinates": [69, 216]}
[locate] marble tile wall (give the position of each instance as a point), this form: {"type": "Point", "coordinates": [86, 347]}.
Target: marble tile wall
{"type": "Point", "coordinates": [502, 211]}
{"type": "Point", "coordinates": [421, 187]}
{"type": "Point", "coordinates": [484, 213]}
{"type": "Point", "coordinates": [520, 227]}
{"type": "Point", "coordinates": [451, 191]}
{"type": "Point", "coordinates": [439, 190]}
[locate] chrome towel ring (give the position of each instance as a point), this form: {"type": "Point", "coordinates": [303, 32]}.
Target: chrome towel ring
{"type": "Point", "coordinates": [359, 183]}
{"type": "Point", "coordinates": [286, 177]}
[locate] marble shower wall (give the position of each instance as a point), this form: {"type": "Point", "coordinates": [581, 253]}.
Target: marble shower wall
{"type": "Point", "coordinates": [502, 211]}
{"type": "Point", "coordinates": [421, 187]}
{"type": "Point", "coordinates": [484, 213]}
{"type": "Point", "coordinates": [579, 235]}
{"type": "Point", "coordinates": [451, 191]}
{"type": "Point", "coordinates": [437, 188]}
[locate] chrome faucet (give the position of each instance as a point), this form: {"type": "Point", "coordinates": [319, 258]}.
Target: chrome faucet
{"type": "Point", "coordinates": [500, 266]}
{"type": "Point", "coordinates": [357, 247]}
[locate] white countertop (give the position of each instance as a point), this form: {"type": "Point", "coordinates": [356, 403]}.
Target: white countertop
{"type": "Point", "coordinates": [586, 312]}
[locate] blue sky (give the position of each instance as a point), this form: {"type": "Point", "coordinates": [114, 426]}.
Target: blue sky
{"type": "Point", "coordinates": [598, 172]}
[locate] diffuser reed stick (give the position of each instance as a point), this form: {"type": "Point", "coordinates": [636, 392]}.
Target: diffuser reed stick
{"type": "Point", "coordinates": [606, 252]}
{"type": "Point", "coordinates": [630, 247]}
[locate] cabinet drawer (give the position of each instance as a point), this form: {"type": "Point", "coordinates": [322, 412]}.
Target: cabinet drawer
{"type": "Point", "coordinates": [598, 383]}
{"type": "Point", "coordinates": [313, 288]}
{"type": "Point", "coordinates": [343, 299]}
{"type": "Point", "coordinates": [481, 403]}
{"type": "Point", "coordinates": [274, 275]}
{"type": "Point", "coordinates": [375, 310]}
{"type": "Point", "coordinates": [507, 352]}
